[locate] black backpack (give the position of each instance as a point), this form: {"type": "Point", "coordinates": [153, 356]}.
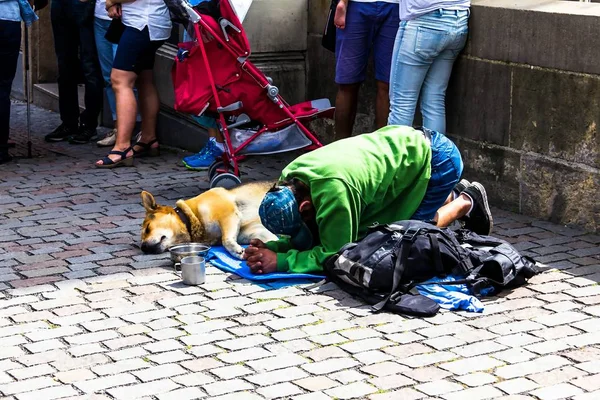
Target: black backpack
{"type": "Point", "coordinates": [385, 265]}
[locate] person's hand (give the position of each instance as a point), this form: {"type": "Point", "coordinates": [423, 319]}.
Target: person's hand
{"type": "Point", "coordinates": [114, 11]}
{"type": "Point", "coordinates": [339, 20]}
{"type": "Point", "coordinates": [260, 260]}
{"type": "Point", "coordinates": [258, 243]}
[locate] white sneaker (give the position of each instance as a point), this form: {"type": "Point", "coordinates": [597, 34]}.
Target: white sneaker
{"type": "Point", "coordinates": [109, 140]}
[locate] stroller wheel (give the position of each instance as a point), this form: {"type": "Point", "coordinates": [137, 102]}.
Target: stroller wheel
{"type": "Point", "coordinates": [212, 170]}
{"type": "Point", "coordinates": [225, 180]}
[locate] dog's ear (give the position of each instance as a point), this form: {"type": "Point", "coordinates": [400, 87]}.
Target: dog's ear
{"type": "Point", "coordinates": [148, 201]}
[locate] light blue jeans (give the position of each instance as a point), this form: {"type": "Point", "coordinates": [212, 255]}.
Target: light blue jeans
{"type": "Point", "coordinates": [106, 55]}
{"type": "Point", "coordinates": [424, 53]}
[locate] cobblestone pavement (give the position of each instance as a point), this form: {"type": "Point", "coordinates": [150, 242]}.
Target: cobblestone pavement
{"type": "Point", "coordinates": [84, 314]}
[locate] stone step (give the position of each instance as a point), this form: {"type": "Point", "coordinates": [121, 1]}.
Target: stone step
{"type": "Point", "coordinates": [45, 95]}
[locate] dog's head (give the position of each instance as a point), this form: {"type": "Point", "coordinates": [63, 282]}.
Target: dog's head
{"type": "Point", "coordinates": [162, 227]}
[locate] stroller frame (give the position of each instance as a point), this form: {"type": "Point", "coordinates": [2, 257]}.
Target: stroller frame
{"type": "Point", "coordinates": [232, 156]}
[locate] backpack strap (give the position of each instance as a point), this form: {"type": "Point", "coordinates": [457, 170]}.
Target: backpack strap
{"type": "Point", "coordinates": [437, 257]}
{"type": "Point", "coordinates": [407, 240]}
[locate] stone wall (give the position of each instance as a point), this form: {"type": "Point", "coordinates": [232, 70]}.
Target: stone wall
{"type": "Point", "coordinates": [523, 104]}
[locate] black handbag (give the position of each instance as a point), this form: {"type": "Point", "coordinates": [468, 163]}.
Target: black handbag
{"type": "Point", "coordinates": [328, 40]}
{"type": "Point", "coordinates": [115, 31]}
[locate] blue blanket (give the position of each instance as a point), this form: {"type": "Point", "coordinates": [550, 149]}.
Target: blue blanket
{"type": "Point", "coordinates": [453, 297]}
{"type": "Point", "coordinates": [220, 258]}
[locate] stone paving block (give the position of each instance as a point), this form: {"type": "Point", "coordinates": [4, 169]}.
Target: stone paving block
{"type": "Point", "coordinates": [27, 385]}
{"type": "Point", "coordinates": [353, 390]}
{"type": "Point", "coordinates": [120, 366]}
{"type": "Point", "coordinates": [94, 385]}
{"type": "Point", "coordinates": [169, 357]}
{"type": "Point", "coordinates": [50, 393]}
{"type": "Point", "coordinates": [477, 393]}
{"type": "Point", "coordinates": [76, 375]}
{"type": "Point", "coordinates": [423, 360]}
{"type": "Point", "coordinates": [143, 389]}
{"type": "Point", "coordinates": [189, 393]}
{"type": "Point", "coordinates": [273, 363]}
{"type": "Point", "coordinates": [197, 378]}
{"type": "Point", "coordinates": [135, 340]}
{"type": "Point", "coordinates": [541, 364]}
{"type": "Point", "coordinates": [273, 377]}
{"type": "Point", "coordinates": [437, 388]}
{"type": "Point", "coordinates": [560, 391]}
{"type": "Point", "coordinates": [472, 364]}
{"type": "Point", "coordinates": [227, 386]}
{"type": "Point", "coordinates": [329, 366]}
{"type": "Point", "coordinates": [158, 372]}
{"type": "Point", "coordinates": [279, 390]}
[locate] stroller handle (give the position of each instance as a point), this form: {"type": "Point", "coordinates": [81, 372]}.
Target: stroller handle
{"type": "Point", "coordinates": [193, 15]}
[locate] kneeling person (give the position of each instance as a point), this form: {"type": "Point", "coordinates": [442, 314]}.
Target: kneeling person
{"type": "Point", "coordinates": [330, 196]}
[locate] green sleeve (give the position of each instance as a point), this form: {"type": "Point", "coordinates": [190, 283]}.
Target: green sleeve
{"type": "Point", "coordinates": [337, 212]}
{"type": "Point", "coordinates": [279, 246]}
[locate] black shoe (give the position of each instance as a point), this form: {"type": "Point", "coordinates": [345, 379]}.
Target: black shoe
{"type": "Point", "coordinates": [63, 132]}
{"type": "Point", "coordinates": [85, 135]}
{"type": "Point", "coordinates": [461, 186]}
{"type": "Point", "coordinates": [4, 156]}
{"type": "Point", "coordinates": [479, 219]}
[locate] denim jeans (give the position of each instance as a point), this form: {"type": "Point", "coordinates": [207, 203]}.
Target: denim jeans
{"type": "Point", "coordinates": [10, 42]}
{"type": "Point", "coordinates": [424, 53]}
{"type": "Point", "coordinates": [106, 55]}
{"type": "Point", "coordinates": [75, 47]}
{"type": "Point", "coordinates": [446, 170]}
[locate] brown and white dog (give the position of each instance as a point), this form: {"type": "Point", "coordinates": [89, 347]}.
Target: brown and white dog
{"type": "Point", "coordinates": [217, 216]}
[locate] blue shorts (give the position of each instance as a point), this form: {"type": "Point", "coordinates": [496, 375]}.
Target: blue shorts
{"type": "Point", "coordinates": [136, 51]}
{"type": "Point", "coordinates": [446, 170]}
{"type": "Point", "coordinates": [368, 25]}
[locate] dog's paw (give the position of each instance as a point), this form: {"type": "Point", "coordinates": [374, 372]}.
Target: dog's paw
{"type": "Point", "coordinates": [237, 252]}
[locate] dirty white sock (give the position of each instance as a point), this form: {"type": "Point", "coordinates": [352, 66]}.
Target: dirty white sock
{"type": "Point", "coordinates": [472, 204]}
{"type": "Point", "coordinates": [220, 145]}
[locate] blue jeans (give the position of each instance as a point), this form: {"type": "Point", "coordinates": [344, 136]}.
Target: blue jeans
{"type": "Point", "coordinates": [368, 25]}
{"type": "Point", "coordinates": [446, 170]}
{"type": "Point", "coordinates": [106, 55]}
{"type": "Point", "coordinates": [424, 53]}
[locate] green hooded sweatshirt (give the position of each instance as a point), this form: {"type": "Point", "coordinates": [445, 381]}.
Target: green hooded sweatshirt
{"type": "Point", "coordinates": [379, 177]}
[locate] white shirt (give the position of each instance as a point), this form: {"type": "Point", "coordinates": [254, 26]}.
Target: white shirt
{"type": "Point", "coordinates": [100, 10]}
{"type": "Point", "coordinates": [375, 1]}
{"type": "Point", "coordinates": [151, 13]}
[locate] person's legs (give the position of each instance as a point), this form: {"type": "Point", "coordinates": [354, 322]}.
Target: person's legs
{"type": "Point", "coordinates": [10, 42]}
{"type": "Point", "coordinates": [352, 48]}
{"type": "Point", "coordinates": [386, 29]}
{"type": "Point", "coordinates": [66, 45]}
{"type": "Point", "coordinates": [211, 151]}
{"type": "Point", "coordinates": [433, 93]}
{"type": "Point", "coordinates": [83, 13]}
{"type": "Point", "coordinates": [105, 57]}
{"type": "Point", "coordinates": [446, 169]}
{"type": "Point", "coordinates": [149, 107]}
{"type": "Point", "coordinates": [346, 103]}
{"type": "Point", "coordinates": [123, 83]}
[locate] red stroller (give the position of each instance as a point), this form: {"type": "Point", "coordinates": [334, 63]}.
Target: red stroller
{"type": "Point", "coordinates": [212, 76]}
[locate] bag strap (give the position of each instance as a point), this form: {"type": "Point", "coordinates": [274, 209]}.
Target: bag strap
{"type": "Point", "coordinates": [407, 240]}
{"type": "Point", "coordinates": [437, 257]}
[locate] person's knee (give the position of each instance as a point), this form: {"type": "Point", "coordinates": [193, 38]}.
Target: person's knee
{"type": "Point", "coordinates": [349, 88]}
{"type": "Point", "coordinates": [383, 88]}
{"type": "Point", "coordinates": [122, 80]}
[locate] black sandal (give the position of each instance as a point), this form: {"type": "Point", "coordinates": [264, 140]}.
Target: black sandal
{"type": "Point", "coordinates": [147, 149]}
{"type": "Point", "coordinates": [123, 162]}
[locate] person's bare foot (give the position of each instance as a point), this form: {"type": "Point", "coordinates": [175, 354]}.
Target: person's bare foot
{"type": "Point", "coordinates": [339, 20]}
{"type": "Point", "coordinates": [116, 157]}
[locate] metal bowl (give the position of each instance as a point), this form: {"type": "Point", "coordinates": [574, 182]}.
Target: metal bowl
{"type": "Point", "coordinates": [187, 249]}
